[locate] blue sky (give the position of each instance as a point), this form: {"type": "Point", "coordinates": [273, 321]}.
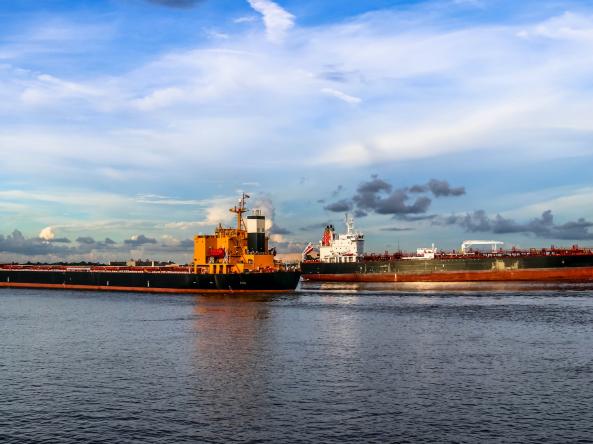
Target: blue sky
{"type": "Point", "coordinates": [142, 120]}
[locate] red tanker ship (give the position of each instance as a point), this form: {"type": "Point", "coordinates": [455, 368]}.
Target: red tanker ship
{"type": "Point", "coordinates": [342, 258]}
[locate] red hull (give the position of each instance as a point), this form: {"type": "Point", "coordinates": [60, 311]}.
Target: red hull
{"type": "Point", "coordinates": [577, 274]}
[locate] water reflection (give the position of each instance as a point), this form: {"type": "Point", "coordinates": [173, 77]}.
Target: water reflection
{"type": "Point", "coordinates": [230, 327]}
{"type": "Point", "coordinates": [439, 287]}
{"type": "Point", "coordinates": [232, 333]}
{"type": "Point", "coordinates": [253, 359]}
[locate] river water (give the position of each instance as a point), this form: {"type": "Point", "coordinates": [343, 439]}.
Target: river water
{"type": "Point", "coordinates": [329, 363]}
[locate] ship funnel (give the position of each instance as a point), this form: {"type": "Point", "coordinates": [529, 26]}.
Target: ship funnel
{"type": "Point", "coordinates": [256, 232]}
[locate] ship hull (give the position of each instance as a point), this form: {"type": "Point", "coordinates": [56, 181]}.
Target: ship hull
{"type": "Point", "coordinates": [148, 282]}
{"type": "Point", "coordinates": [577, 268]}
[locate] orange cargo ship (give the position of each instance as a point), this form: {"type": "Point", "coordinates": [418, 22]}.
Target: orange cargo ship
{"type": "Point", "coordinates": [230, 260]}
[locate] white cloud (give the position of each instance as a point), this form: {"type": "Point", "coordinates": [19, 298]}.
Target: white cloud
{"type": "Point", "coordinates": [216, 35]}
{"type": "Point", "coordinates": [49, 89]}
{"type": "Point", "coordinates": [216, 212]}
{"type": "Point", "coordinates": [277, 20]}
{"type": "Point", "coordinates": [567, 203]}
{"type": "Point", "coordinates": [184, 225]}
{"type": "Point", "coordinates": [245, 19]}
{"type": "Point", "coordinates": [164, 200]}
{"type": "Point", "coordinates": [341, 95]}
{"type": "Point", "coordinates": [170, 241]}
{"type": "Point", "coordinates": [212, 104]}
{"type": "Point", "coordinates": [568, 26]}
{"type": "Point", "coordinates": [159, 98]}
{"type": "Point", "coordinates": [47, 234]}
{"type": "Point", "coordinates": [427, 91]}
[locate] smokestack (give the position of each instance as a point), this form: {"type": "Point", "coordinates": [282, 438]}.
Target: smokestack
{"type": "Point", "coordinates": [256, 232]}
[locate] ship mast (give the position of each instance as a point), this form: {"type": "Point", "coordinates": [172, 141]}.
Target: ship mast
{"type": "Point", "coordinates": [349, 224]}
{"type": "Point", "coordinates": [239, 210]}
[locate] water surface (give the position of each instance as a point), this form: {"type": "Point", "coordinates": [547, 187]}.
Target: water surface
{"type": "Point", "coordinates": [330, 363]}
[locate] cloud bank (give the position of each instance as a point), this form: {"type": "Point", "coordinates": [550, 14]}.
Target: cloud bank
{"type": "Point", "coordinates": [378, 196]}
{"type": "Point", "coordinates": [542, 227]}
{"type": "Point", "coordinates": [17, 247]}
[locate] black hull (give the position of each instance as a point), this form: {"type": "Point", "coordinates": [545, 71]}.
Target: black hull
{"type": "Point", "coordinates": [150, 282]}
{"type": "Point", "coordinates": [557, 267]}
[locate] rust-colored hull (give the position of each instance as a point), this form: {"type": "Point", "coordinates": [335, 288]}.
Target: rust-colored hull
{"type": "Point", "coordinates": [577, 274]}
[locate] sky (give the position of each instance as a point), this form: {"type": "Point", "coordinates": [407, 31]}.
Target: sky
{"type": "Point", "coordinates": [129, 126]}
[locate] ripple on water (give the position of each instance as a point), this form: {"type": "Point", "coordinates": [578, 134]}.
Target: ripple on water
{"type": "Point", "coordinates": [328, 364]}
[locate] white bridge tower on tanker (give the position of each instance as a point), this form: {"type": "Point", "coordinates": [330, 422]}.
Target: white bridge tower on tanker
{"type": "Point", "coordinates": [347, 247]}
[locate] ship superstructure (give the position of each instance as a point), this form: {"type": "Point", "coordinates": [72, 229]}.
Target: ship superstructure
{"type": "Point", "coordinates": [348, 247]}
{"type": "Point", "coordinates": [236, 250]}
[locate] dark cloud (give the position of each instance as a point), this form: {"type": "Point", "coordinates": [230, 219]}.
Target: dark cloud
{"type": "Point", "coordinates": [379, 196]}
{"type": "Point", "coordinates": [176, 3]}
{"type": "Point", "coordinates": [374, 186]}
{"type": "Point", "coordinates": [19, 244]}
{"type": "Point", "coordinates": [339, 206]}
{"type": "Point", "coordinates": [187, 244]}
{"type": "Point", "coordinates": [334, 76]}
{"type": "Point", "coordinates": [395, 204]}
{"type": "Point", "coordinates": [141, 239]}
{"type": "Point", "coordinates": [542, 227]}
{"type": "Point", "coordinates": [337, 191]}
{"type": "Point", "coordinates": [397, 229]}
{"type": "Point", "coordinates": [441, 188]}
{"type": "Point", "coordinates": [438, 188]}
{"type": "Point", "coordinates": [91, 243]}
{"type": "Point", "coordinates": [316, 226]}
{"type": "Point", "coordinates": [478, 221]}
{"type": "Point", "coordinates": [416, 217]}
{"type": "Point", "coordinates": [184, 246]}
{"type": "Point", "coordinates": [418, 189]}
{"type": "Point", "coordinates": [16, 243]}
{"type": "Point", "coordinates": [265, 203]}
{"type": "Point", "coordinates": [60, 240]}
{"type": "Point", "coordinates": [288, 247]}
{"type": "Point", "coordinates": [279, 230]}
